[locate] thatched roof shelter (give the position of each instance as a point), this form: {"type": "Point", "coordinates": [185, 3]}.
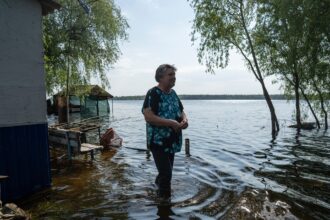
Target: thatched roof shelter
{"type": "Point", "coordinates": [85, 99]}
{"type": "Point", "coordinates": [93, 91]}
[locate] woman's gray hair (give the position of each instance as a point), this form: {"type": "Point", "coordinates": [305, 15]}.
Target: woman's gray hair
{"type": "Point", "coordinates": [161, 70]}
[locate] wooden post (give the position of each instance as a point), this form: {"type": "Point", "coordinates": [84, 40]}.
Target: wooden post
{"type": "Point", "coordinates": [80, 104]}
{"type": "Point", "coordinates": [97, 106]}
{"type": "Point", "coordinates": [148, 147]}
{"type": "Point", "coordinates": [92, 155]}
{"type": "Point", "coordinates": [112, 106]}
{"type": "Point", "coordinates": [83, 138]}
{"type": "Point", "coordinates": [187, 147]}
{"type": "Point", "coordinates": [68, 144]}
{"type": "Point", "coordinates": [108, 107]}
{"type": "Point", "coordinates": [68, 109]}
{"type": "Point", "coordinates": [62, 109]}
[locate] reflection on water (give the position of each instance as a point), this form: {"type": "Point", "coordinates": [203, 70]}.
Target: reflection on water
{"type": "Point", "coordinates": [235, 171]}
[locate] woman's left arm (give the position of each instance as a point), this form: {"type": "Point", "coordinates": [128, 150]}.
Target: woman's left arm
{"type": "Point", "coordinates": [184, 122]}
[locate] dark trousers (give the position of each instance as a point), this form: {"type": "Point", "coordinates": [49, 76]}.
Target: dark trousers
{"type": "Point", "coordinates": [164, 163]}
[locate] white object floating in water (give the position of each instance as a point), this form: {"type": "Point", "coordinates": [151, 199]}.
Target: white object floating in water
{"type": "Point", "coordinates": [116, 141]}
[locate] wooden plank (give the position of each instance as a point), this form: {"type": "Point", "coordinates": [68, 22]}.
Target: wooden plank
{"type": "Point", "coordinates": [3, 178]}
{"type": "Point", "coordinates": [59, 137]}
{"type": "Point", "coordinates": [62, 132]}
{"type": "Point", "coordinates": [73, 138]}
{"type": "Point", "coordinates": [63, 141]}
{"type": "Point", "coordinates": [89, 129]}
{"type": "Point", "coordinates": [85, 147]}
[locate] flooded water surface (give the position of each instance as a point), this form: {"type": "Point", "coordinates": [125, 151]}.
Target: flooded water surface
{"type": "Point", "coordinates": [235, 170]}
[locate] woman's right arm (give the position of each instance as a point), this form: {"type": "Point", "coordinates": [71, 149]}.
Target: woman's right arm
{"type": "Point", "coordinates": [153, 119]}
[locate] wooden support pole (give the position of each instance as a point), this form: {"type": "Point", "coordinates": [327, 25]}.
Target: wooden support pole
{"type": "Point", "coordinates": [187, 147]}
{"type": "Point", "coordinates": [148, 147]}
{"type": "Point", "coordinates": [92, 155]}
{"type": "Point", "coordinates": [68, 145]}
{"type": "Point", "coordinates": [112, 106]}
{"type": "Point", "coordinates": [99, 130]}
{"type": "Point", "coordinates": [97, 106]}
{"type": "Point", "coordinates": [62, 109]}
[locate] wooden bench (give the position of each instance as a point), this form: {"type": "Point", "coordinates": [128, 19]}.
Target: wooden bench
{"type": "Point", "coordinates": [74, 141]}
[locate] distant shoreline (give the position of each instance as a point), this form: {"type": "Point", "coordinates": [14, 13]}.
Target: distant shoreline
{"type": "Point", "coordinates": [210, 97]}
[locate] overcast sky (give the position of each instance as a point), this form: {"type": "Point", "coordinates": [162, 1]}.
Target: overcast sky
{"type": "Point", "coordinates": [160, 33]}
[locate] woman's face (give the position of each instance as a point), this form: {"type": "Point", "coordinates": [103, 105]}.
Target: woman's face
{"type": "Point", "coordinates": [168, 79]}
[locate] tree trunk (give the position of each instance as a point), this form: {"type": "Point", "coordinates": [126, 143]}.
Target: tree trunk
{"type": "Point", "coordinates": [326, 120]}
{"type": "Point", "coordinates": [307, 100]}
{"type": "Point", "coordinates": [311, 108]}
{"type": "Point", "coordinates": [296, 91]}
{"type": "Point", "coordinates": [322, 105]}
{"type": "Point", "coordinates": [275, 125]}
{"type": "Point", "coordinates": [325, 113]}
{"type": "Point", "coordinates": [257, 73]}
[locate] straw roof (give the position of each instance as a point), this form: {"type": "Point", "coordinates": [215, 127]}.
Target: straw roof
{"type": "Point", "coordinates": [93, 91]}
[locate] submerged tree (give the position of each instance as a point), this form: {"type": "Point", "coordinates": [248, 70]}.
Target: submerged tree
{"type": "Point", "coordinates": [280, 41]}
{"type": "Point", "coordinates": [87, 44]}
{"type": "Point", "coordinates": [291, 43]}
{"type": "Point", "coordinates": [318, 53]}
{"type": "Point", "coordinates": [222, 25]}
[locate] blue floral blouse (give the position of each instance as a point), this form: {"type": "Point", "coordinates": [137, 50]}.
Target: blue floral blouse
{"type": "Point", "coordinates": [164, 105]}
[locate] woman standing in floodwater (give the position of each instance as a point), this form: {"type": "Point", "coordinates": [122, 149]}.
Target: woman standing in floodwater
{"type": "Point", "coordinates": [163, 112]}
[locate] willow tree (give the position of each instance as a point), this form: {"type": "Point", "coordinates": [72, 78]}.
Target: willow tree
{"type": "Point", "coordinates": [222, 25]}
{"type": "Point", "coordinates": [280, 43]}
{"type": "Point", "coordinates": [292, 44]}
{"type": "Point", "coordinates": [318, 53]}
{"type": "Point", "coordinates": [86, 44]}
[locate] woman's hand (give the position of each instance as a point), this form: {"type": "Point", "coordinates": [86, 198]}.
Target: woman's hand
{"type": "Point", "coordinates": [184, 123]}
{"type": "Point", "coordinates": [176, 126]}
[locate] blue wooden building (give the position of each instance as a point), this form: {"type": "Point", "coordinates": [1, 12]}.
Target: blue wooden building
{"type": "Point", "coordinates": [24, 155]}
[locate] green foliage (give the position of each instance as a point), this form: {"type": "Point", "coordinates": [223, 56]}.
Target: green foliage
{"type": "Point", "coordinates": [88, 42]}
{"type": "Point", "coordinates": [221, 25]}
{"type": "Point", "coordinates": [218, 27]}
{"type": "Point", "coordinates": [288, 34]}
{"type": "Point", "coordinates": [292, 42]}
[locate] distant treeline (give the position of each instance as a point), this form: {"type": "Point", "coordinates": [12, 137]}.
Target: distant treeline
{"type": "Point", "coordinates": [210, 97]}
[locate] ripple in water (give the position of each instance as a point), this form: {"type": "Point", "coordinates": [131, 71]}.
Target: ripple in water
{"type": "Point", "coordinates": [235, 171]}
